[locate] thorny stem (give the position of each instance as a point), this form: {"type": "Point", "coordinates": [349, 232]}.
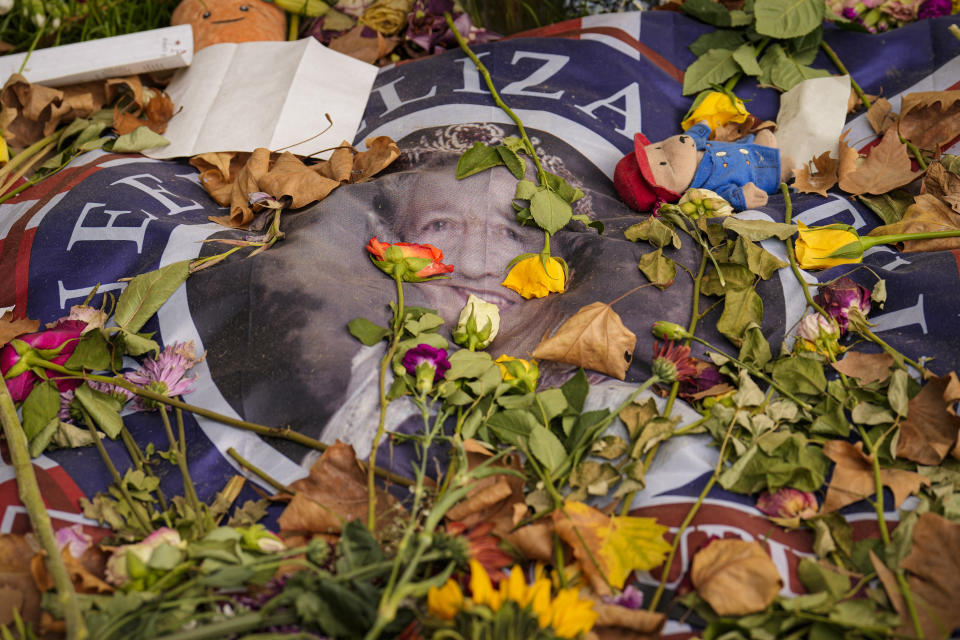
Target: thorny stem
{"type": "Point", "coordinates": [135, 508]}
{"type": "Point", "coordinates": [246, 464]}
{"type": "Point", "coordinates": [665, 575]}
{"type": "Point", "coordinates": [874, 449]}
{"type": "Point", "coordinates": [32, 499]}
{"type": "Point", "coordinates": [787, 218]}
{"type": "Point", "coordinates": [284, 433]}
{"type": "Point", "coordinates": [381, 424]}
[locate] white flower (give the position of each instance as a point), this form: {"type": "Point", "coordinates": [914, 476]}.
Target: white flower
{"type": "Point", "coordinates": [478, 324]}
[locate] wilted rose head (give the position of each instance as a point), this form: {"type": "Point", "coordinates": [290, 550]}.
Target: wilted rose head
{"type": "Point", "coordinates": [840, 297]}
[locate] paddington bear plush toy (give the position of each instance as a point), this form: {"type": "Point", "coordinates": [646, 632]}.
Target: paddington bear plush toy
{"type": "Point", "coordinates": [742, 172]}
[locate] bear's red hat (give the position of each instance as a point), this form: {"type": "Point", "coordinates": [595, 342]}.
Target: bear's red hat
{"type": "Point", "coordinates": [634, 180]}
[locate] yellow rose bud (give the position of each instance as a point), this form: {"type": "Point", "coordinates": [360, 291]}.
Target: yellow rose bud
{"type": "Point", "coordinates": [717, 110]}
{"type": "Point", "coordinates": [816, 245]}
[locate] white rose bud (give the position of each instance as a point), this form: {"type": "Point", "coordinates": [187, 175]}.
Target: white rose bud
{"type": "Point", "coordinates": [478, 324]}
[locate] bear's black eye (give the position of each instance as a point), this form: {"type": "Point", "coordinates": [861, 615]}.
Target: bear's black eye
{"type": "Point", "coordinates": [663, 164]}
{"type": "Point", "coordinates": [244, 7]}
{"type": "Point", "coordinates": [683, 139]}
{"type": "Point", "coordinates": [206, 15]}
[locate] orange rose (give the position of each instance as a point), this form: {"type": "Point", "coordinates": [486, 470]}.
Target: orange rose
{"type": "Point", "coordinates": [408, 261]}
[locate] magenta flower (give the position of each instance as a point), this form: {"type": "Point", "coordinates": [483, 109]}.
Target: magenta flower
{"type": "Point", "coordinates": [630, 597]}
{"type": "Point", "coordinates": [707, 377]}
{"type": "Point", "coordinates": [55, 345]}
{"type": "Point", "coordinates": [423, 355]}
{"type": "Point", "coordinates": [788, 503]}
{"type": "Point", "coordinates": [74, 538]}
{"type": "Point", "coordinates": [934, 9]}
{"type": "Point", "coordinates": [165, 375]}
{"type": "Point", "coordinates": [842, 296]}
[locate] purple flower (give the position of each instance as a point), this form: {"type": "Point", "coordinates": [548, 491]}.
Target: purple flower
{"type": "Point", "coordinates": [842, 296]}
{"type": "Point", "coordinates": [423, 355]}
{"type": "Point", "coordinates": [427, 28]}
{"type": "Point", "coordinates": [707, 377]}
{"type": "Point", "coordinates": [849, 13]}
{"type": "Point", "coordinates": [934, 9]}
{"type": "Point", "coordinates": [631, 598]}
{"type": "Point", "coordinates": [166, 374]}
{"type": "Point", "coordinates": [55, 345]}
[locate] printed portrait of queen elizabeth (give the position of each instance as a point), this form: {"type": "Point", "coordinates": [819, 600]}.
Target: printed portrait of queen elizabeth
{"type": "Point", "coordinates": [275, 326]}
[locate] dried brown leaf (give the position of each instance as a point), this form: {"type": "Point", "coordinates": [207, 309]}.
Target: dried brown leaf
{"type": "Point", "coordinates": [124, 122]}
{"type": "Point", "coordinates": [886, 168]}
{"type": "Point", "coordinates": [927, 213]}
{"type": "Point", "coordinates": [930, 430]}
{"type": "Point", "coordinates": [853, 477]}
{"type": "Point", "coordinates": [635, 620]}
{"type": "Point", "coordinates": [943, 184]}
{"type": "Point", "coordinates": [368, 49]}
{"type": "Point", "coordinates": [930, 119]}
{"type": "Point", "coordinates": [218, 171]}
{"type": "Point", "coordinates": [534, 541]}
{"type": "Point", "coordinates": [593, 338]}
{"type": "Point", "coordinates": [247, 182]}
{"type": "Point", "coordinates": [735, 576]}
{"type": "Point", "coordinates": [10, 328]}
{"type": "Point", "coordinates": [17, 588]}
{"type": "Point", "coordinates": [935, 565]}
{"type": "Point", "coordinates": [333, 494]}
{"type": "Point", "coordinates": [854, 103]}
{"type": "Point", "coordinates": [159, 111]}
{"type": "Point", "coordinates": [881, 116]}
{"type": "Point", "coordinates": [290, 177]}
{"type": "Point", "coordinates": [381, 151]}
{"type": "Point", "coordinates": [129, 85]}
{"type": "Point", "coordinates": [340, 164]}
{"type": "Point", "coordinates": [84, 581]}
{"type": "Point", "coordinates": [823, 178]}
{"type": "Point", "coordinates": [865, 367]}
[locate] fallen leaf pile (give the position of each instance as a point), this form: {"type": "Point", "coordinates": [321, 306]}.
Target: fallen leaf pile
{"type": "Point", "coordinates": [231, 177]}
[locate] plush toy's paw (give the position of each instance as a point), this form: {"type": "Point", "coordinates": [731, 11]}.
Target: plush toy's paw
{"type": "Point", "coordinates": [765, 138]}
{"type": "Point", "coordinates": [753, 196]}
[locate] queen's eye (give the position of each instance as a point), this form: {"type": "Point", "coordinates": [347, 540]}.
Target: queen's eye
{"type": "Point", "coordinates": [206, 14]}
{"type": "Point", "coordinates": [244, 7]}
{"type": "Point", "coordinates": [436, 225]}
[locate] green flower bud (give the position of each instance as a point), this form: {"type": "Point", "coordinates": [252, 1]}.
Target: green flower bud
{"type": "Point", "coordinates": [478, 324]}
{"type": "Point", "coordinates": [669, 331]}
{"type": "Point", "coordinates": [703, 202]}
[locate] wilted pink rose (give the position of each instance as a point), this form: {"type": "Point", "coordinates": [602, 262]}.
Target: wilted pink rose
{"type": "Point", "coordinates": [74, 539]}
{"type": "Point", "coordinates": [62, 339]}
{"type": "Point", "coordinates": [787, 503]}
{"type": "Point", "coordinates": [842, 296]}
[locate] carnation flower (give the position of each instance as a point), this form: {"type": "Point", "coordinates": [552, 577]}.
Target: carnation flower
{"type": "Point", "coordinates": [165, 375]}
{"type": "Point", "coordinates": [428, 364]}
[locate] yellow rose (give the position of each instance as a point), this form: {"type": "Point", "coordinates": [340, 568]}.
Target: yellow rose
{"type": "Point", "coordinates": [523, 373]}
{"type": "Point", "coordinates": [717, 110]}
{"type": "Point", "coordinates": [531, 280]}
{"type": "Point", "coordinates": [815, 245]}
{"type": "Point", "coordinates": [445, 602]}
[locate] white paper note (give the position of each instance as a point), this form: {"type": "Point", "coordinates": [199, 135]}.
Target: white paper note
{"type": "Point", "coordinates": [238, 97]}
{"type": "Point", "coordinates": [811, 118]}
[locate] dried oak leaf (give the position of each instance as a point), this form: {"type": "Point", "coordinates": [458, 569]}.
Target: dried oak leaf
{"type": "Point", "coordinates": [735, 576]}
{"type": "Point", "coordinates": [289, 177]}
{"type": "Point", "coordinates": [930, 430]}
{"type": "Point", "coordinates": [593, 338]}
{"type": "Point", "coordinates": [368, 49]}
{"type": "Point", "coordinates": [935, 567]}
{"type": "Point", "coordinates": [943, 184]}
{"type": "Point", "coordinates": [865, 367]}
{"type": "Point", "coordinates": [930, 119]}
{"type": "Point", "coordinates": [820, 180]}
{"type": "Point", "coordinates": [17, 588]}
{"type": "Point", "coordinates": [333, 494]}
{"type": "Point", "coordinates": [10, 328]}
{"type": "Point", "coordinates": [853, 477]}
{"type": "Point", "coordinates": [246, 182]}
{"type": "Point", "coordinates": [927, 213]}
{"type": "Point", "coordinates": [886, 168]}
{"type": "Point", "coordinates": [881, 116]}
{"type": "Point", "coordinates": [609, 548]}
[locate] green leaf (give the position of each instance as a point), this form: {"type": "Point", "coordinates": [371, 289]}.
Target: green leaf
{"type": "Point", "coordinates": [146, 294]}
{"type": "Point", "coordinates": [889, 207]}
{"type": "Point", "coordinates": [783, 72]}
{"type": "Point", "coordinates": [563, 188]}
{"type": "Point", "coordinates": [469, 364]}
{"type": "Point", "coordinates": [735, 276]}
{"type": "Point", "coordinates": [553, 402]}
{"type": "Point", "coordinates": [719, 39]}
{"type": "Point", "coordinates": [653, 231]}
{"type": "Point", "coordinates": [102, 408]}
{"type": "Point", "coordinates": [547, 448]}
{"type": "Point", "coordinates": [39, 442]}
{"type": "Point", "coordinates": [550, 211]}
{"type": "Point", "coordinates": [804, 49]}
{"type": "Point", "coordinates": [815, 577]}
{"type": "Point", "coordinates": [525, 190]}
{"type": "Point", "coordinates": [755, 348]}
{"type": "Point", "coordinates": [40, 407]}
{"type": "Point", "coordinates": [741, 308]}
{"type": "Point", "coordinates": [756, 258]}
{"type": "Point", "coordinates": [575, 390]}
{"type": "Point", "coordinates": [367, 332]}
{"type": "Point", "coordinates": [139, 139]}
{"type": "Point", "coordinates": [658, 268]}
{"type": "Point", "coordinates": [92, 352]}
{"type": "Point", "coordinates": [513, 426]}
{"type": "Point", "coordinates": [609, 447]}
{"type": "Point", "coordinates": [714, 67]}
{"type": "Point", "coordinates": [477, 158]}
{"type": "Point", "coordinates": [800, 375]}
{"type": "Point", "coordinates": [424, 323]}
{"type": "Point", "coordinates": [871, 414]}
{"type": "Point", "coordinates": [831, 421]}
{"type": "Point", "coordinates": [358, 548]}
{"type": "Point", "coordinates": [514, 162]}
{"type": "Point", "coordinates": [707, 11]}
{"type": "Point", "coordinates": [749, 394]}
{"type": "Point", "coordinates": [746, 56]}
{"type": "Point", "coordinates": [756, 230]}
{"type": "Point", "coordinates": [137, 344]}
{"type": "Point", "coordinates": [897, 393]}
{"type": "Point", "coordinates": [788, 18]}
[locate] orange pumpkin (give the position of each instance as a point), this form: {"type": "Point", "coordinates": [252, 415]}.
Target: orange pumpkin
{"type": "Point", "coordinates": [216, 21]}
